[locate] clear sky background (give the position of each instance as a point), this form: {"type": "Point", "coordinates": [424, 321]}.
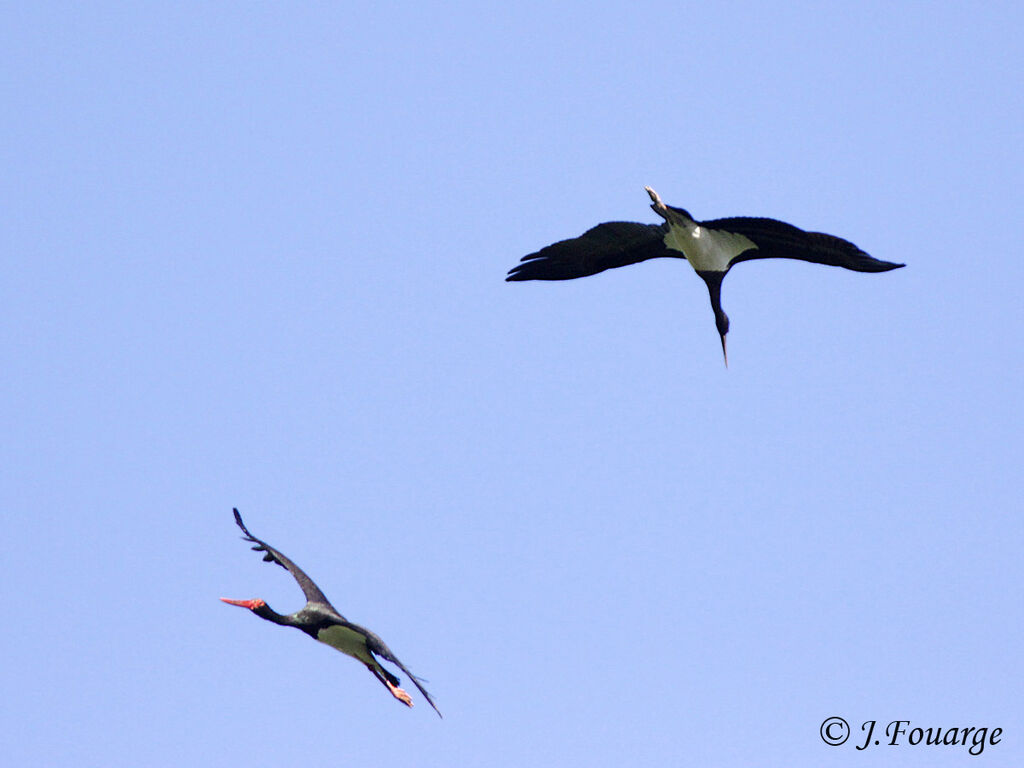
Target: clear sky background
{"type": "Point", "coordinates": [254, 256]}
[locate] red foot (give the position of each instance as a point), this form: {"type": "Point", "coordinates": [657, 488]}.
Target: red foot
{"type": "Point", "coordinates": [399, 694]}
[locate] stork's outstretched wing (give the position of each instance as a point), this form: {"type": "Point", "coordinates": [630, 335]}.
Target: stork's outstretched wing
{"type": "Point", "coordinates": [777, 239]}
{"type": "Point", "coordinates": [271, 555]}
{"type": "Point", "coordinates": [608, 245]}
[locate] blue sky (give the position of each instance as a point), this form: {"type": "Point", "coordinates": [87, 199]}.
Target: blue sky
{"type": "Point", "coordinates": [254, 257]}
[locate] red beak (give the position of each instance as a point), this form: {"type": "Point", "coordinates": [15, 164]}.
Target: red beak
{"type": "Point", "coordinates": [252, 605]}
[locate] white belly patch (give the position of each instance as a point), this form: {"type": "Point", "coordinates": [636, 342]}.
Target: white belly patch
{"type": "Point", "coordinates": [347, 641]}
{"type": "Point", "coordinates": [706, 249]}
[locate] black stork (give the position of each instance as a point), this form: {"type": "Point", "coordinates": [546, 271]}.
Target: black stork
{"type": "Point", "coordinates": [322, 621]}
{"type": "Point", "coordinates": [712, 248]}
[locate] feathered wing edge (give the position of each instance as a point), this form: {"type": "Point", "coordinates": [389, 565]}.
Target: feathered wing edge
{"type": "Point", "coordinates": [377, 647]}
{"type": "Point", "coordinates": [777, 239]}
{"type": "Point", "coordinates": [606, 246]}
{"type": "Point", "coordinates": [271, 555]}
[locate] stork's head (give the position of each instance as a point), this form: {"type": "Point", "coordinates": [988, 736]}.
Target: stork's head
{"type": "Point", "coordinates": [252, 605]}
{"type": "Point", "coordinates": [722, 324]}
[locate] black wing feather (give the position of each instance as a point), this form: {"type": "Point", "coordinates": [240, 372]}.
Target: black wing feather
{"type": "Point", "coordinates": [608, 245]}
{"type": "Point", "coordinates": [777, 239]}
{"type": "Point", "coordinates": [378, 647]}
{"type": "Point", "coordinates": [309, 589]}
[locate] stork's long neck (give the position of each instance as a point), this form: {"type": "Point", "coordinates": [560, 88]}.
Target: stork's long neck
{"type": "Point", "coordinates": [266, 612]}
{"type": "Point", "coordinates": [713, 279]}
{"type": "Point", "coordinates": [714, 283]}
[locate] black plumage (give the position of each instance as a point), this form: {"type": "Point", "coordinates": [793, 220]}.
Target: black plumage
{"type": "Point", "coordinates": [322, 621]}
{"type": "Point", "coordinates": [712, 248]}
